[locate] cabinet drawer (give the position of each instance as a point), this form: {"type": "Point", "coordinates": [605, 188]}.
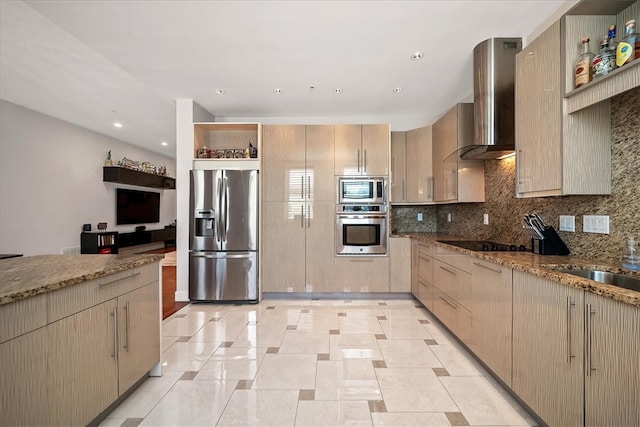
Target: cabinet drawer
{"type": "Point", "coordinates": [22, 316]}
{"type": "Point", "coordinates": [425, 268]}
{"type": "Point", "coordinates": [454, 258]}
{"type": "Point", "coordinates": [426, 249]}
{"type": "Point", "coordinates": [425, 294]}
{"type": "Point", "coordinates": [453, 282]}
{"type": "Point", "coordinates": [72, 299]}
{"type": "Point", "coordinates": [452, 314]}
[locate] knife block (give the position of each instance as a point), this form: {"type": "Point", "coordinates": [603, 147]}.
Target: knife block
{"type": "Point", "coordinates": [552, 244]}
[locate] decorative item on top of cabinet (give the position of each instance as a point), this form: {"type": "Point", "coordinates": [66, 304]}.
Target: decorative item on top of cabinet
{"type": "Point", "coordinates": [456, 180]}
{"type": "Point", "coordinates": [237, 145]}
{"type": "Point", "coordinates": [362, 150]}
{"type": "Point", "coordinates": [557, 153]}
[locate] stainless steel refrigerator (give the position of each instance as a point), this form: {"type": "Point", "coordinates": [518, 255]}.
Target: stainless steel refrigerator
{"type": "Point", "coordinates": [223, 243]}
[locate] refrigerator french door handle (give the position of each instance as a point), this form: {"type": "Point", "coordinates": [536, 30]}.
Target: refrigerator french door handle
{"type": "Point", "coordinates": [226, 207]}
{"type": "Point", "coordinates": [218, 218]}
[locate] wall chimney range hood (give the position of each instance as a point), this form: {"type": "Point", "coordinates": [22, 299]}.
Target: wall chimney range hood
{"type": "Point", "coordinates": [494, 69]}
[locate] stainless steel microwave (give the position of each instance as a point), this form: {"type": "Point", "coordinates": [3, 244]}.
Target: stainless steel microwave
{"type": "Point", "coordinates": [362, 190]}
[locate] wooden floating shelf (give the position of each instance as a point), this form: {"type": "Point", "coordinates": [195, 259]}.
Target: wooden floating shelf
{"type": "Point", "coordinates": [139, 178]}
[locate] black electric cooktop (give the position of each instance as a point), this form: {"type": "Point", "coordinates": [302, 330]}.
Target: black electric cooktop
{"type": "Point", "coordinates": [483, 245]}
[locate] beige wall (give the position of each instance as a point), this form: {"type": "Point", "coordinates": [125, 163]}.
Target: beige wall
{"type": "Point", "coordinates": [505, 211]}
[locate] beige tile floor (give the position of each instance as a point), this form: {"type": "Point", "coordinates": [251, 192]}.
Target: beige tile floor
{"type": "Point", "coordinates": [310, 362]}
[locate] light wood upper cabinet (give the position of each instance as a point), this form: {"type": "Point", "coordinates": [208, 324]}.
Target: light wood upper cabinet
{"type": "Point", "coordinates": [456, 180]}
{"type": "Point", "coordinates": [411, 166]}
{"type": "Point", "coordinates": [283, 163]}
{"type": "Point", "coordinates": [557, 153]}
{"type": "Point", "coordinates": [362, 150]}
{"type": "Point", "coordinates": [419, 165]}
{"type": "Point", "coordinates": [398, 181]}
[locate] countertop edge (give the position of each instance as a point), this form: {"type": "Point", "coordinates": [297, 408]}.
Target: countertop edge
{"type": "Point", "coordinates": [127, 263]}
{"type": "Point", "coordinates": [536, 265]}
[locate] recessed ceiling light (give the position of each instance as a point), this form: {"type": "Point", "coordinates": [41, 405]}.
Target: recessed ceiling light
{"type": "Point", "coordinates": [398, 90]}
{"type": "Point", "coordinates": [338, 90]}
{"type": "Point", "coordinates": [278, 91]}
{"type": "Point", "coordinates": [417, 55]}
{"type": "Point", "coordinates": [164, 143]}
{"type": "Point", "coordinates": [219, 91]}
{"type": "Point", "coordinates": [118, 125]}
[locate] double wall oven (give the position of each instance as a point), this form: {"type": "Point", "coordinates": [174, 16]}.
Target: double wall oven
{"type": "Point", "coordinates": [361, 216]}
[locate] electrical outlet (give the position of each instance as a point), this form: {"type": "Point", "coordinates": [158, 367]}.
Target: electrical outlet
{"type": "Point", "coordinates": [595, 224]}
{"type": "Point", "coordinates": [485, 219]}
{"type": "Point", "coordinates": [419, 216]}
{"type": "Point", "coordinates": [448, 217]}
{"type": "Point", "coordinates": [567, 223]}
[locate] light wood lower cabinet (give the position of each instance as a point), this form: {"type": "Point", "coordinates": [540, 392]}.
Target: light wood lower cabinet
{"type": "Point", "coordinates": [491, 306]}
{"type": "Point", "coordinates": [548, 332]}
{"type": "Point", "coordinates": [83, 364]}
{"type": "Point", "coordinates": [24, 392]}
{"type": "Point", "coordinates": [400, 268]}
{"type": "Point", "coordinates": [452, 295]}
{"type": "Point", "coordinates": [612, 363]}
{"type": "Point", "coordinates": [105, 337]}
{"type": "Point", "coordinates": [426, 290]}
{"type": "Point", "coordinates": [362, 274]}
{"type": "Point", "coordinates": [298, 247]}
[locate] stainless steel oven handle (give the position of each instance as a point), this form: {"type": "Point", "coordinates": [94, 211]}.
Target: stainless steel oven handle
{"type": "Point", "coordinates": [360, 216]}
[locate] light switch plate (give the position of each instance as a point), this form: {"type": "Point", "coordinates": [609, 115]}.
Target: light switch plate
{"type": "Point", "coordinates": [448, 217]}
{"type": "Point", "coordinates": [567, 223]}
{"type": "Point", "coordinates": [485, 219]}
{"type": "Point", "coordinates": [419, 216]}
{"type": "Point", "coordinates": [595, 224]}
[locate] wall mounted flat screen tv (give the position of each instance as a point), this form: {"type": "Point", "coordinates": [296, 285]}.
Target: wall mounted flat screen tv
{"type": "Point", "coordinates": [137, 207]}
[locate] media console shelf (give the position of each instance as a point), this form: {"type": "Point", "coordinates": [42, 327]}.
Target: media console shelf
{"type": "Point", "coordinates": [134, 177]}
{"type": "Point", "coordinates": [109, 242]}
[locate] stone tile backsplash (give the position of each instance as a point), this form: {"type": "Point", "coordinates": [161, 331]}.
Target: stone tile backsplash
{"type": "Point", "coordinates": [506, 211]}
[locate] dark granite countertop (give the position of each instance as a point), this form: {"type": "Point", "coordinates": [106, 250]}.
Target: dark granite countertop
{"type": "Point", "coordinates": [544, 266]}
{"type": "Point", "coordinates": [24, 277]}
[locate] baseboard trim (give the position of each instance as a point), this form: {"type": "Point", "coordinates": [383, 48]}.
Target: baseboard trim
{"type": "Point", "coordinates": [339, 295]}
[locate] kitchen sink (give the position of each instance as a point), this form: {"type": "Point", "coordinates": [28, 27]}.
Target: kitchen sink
{"type": "Point", "coordinates": [621, 280]}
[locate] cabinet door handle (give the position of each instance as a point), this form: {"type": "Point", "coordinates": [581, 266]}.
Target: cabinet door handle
{"type": "Point", "coordinates": [302, 186]}
{"type": "Point", "coordinates": [361, 260]}
{"type": "Point", "coordinates": [308, 216]}
{"type": "Point", "coordinates": [425, 258]}
{"type": "Point", "coordinates": [302, 217]}
{"type": "Point", "coordinates": [119, 280]}
{"type": "Point", "coordinates": [358, 160]}
{"type": "Point", "coordinates": [519, 164]}
{"type": "Point", "coordinates": [589, 364]}
{"type": "Point", "coordinates": [448, 303]}
{"type": "Point", "coordinates": [308, 186]}
{"type": "Point", "coordinates": [447, 270]}
{"type": "Point", "coordinates": [488, 268]}
{"type": "Point", "coordinates": [404, 190]}
{"type": "Point", "coordinates": [114, 314]}
{"type": "Point", "coordinates": [126, 324]}
{"type": "Point", "coordinates": [430, 188]}
{"type": "Point", "coordinates": [364, 167]}
{"type": "Point", "coordinates": [569, 305]}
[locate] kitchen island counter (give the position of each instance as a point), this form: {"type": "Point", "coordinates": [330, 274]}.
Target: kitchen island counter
{"type": "Point", "coordinates": [543, 266]}
{"type": "Point", "coordinates": [24, 277]}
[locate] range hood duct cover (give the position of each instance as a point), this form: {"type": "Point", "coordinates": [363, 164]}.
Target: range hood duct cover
{"type": "Point", "coordinates": [494, 70]}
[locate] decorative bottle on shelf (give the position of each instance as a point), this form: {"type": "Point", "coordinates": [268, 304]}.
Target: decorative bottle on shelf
{"type": "Point", "coordinates": [605, 61]}
{"type": "Point", "coordinates": [584, 73]}
{"type": "Point", "coordinates": [629, 47]}
{"type": "Point", "coordinates": [611, 35]}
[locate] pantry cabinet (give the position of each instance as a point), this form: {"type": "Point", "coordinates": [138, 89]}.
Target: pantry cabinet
{"type": "Point", "coordinates": [298, 243]}
{"type": "Point", "coordinates": [411, 166]}
{"type": "Point", "coordinates": [455, 180]}
{"type": "Point", "coordinates": [362, 150]}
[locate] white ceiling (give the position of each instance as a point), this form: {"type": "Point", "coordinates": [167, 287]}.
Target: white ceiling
{"type": "Point", "coordinates": [92, 63]}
